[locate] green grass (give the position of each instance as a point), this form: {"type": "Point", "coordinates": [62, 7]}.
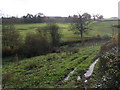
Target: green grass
{"type": "Point", "coordinates": [26, 28]}
{"type": "Point", "coordinates": [101, 28]}
{"type": "Point", "coordinates": [64, 29]}
{"type": "Point", "coordinates": [51, 69]}
{"type": "Point", "coordinates": [45, 71]}
{"type": "Point", "coordinates": [81, 68]}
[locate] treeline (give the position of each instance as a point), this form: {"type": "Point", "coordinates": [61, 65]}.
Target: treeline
{"type": "Point", "coordinates": [43, 41]}
{"type": "Point", "coordinates": [29, 18]}
{"type": "Point", "coordinates": [41, 18]}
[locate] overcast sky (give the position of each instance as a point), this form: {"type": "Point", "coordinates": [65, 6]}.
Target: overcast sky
{"type": "Point", "coordinates": [108, 8]}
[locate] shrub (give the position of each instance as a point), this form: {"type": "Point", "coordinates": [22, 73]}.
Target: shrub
{"type": "Point", "coordinates": [6, 77]}
{"type": "Point", "coordinates": [51, 32]}
{"type": "Point", "coordinates": [98, 35]}
{"type": "Point", "coordinates": [10, 40]}
{"type": "Point", "coordinates": [35, 45]}
{"type": "Point", "coordinates": [6, 51]}
{"type": "Point", "coordinates": [10, 37]}
{"type": "Point", "coordinates": [54, 33]}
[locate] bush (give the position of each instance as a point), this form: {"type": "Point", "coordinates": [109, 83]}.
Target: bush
{"type": "Point", "coordinates": [10, 40]}
{"type": "Point", "coordinates": [6, 51]}
{"type": "Point", "coordinates": [54, 33]}
{"type": "Point", "coordinates": [35, 45]}
{"type": "Point", "coordinates": [51, 32]}
{"type": "Point", "coordinates": [10, 36]}
{"type": "Point", "coordinates": [98, 35]}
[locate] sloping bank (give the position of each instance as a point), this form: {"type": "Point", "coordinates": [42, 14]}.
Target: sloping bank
{"type": "Point", "coordinates": [107, 70]}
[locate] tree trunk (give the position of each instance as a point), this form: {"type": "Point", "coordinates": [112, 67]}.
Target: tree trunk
{"type": "Point", "coordinates": [81, 34]}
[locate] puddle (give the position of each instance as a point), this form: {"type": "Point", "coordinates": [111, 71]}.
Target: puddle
{"type": "Point", "coordinates": [78, 78]}
{"type": "Point", "coordinates": [91, 68]}
{"type": "Point", "coordinates": [67, 77]}
{"type": "Point", "coordinates": [85, 81]}
{"type": "Point", "coordinates": [86, 75]}
{"type": "Point", "coordinates": [69, 74]}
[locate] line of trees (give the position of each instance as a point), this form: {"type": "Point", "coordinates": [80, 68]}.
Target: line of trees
{"type": "Point", "coordinates": [29, 18]}
{"type": "Point", "coordinates": [98, 16]}
{"type": "Point", "coordinates": [41, 18]}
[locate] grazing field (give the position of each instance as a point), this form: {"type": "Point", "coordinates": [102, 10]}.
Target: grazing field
{"type": "Point", "coordinates": [101, 28]}
{"type": "Point", "coordinates": [64, 29]}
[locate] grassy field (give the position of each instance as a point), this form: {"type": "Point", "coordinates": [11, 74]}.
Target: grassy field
{"type": "Point", "coordinates": [100, 28]}
{"type": "Point", "coordinates": [66, 34]}
{"type": "Point", "coordinates": [48, 70]}
{"type": "Point", "coordinates": [103, 28]}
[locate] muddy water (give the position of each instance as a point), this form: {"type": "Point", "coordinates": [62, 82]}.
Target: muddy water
{"type": "Point", "coordinates": [91, 68]}
{"type": "Point", "coordinates": [86, 75]}
{"type": "Point", "coordinates": [78, 78]}
{"type": "Point", "coordinates": [69, 74]}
